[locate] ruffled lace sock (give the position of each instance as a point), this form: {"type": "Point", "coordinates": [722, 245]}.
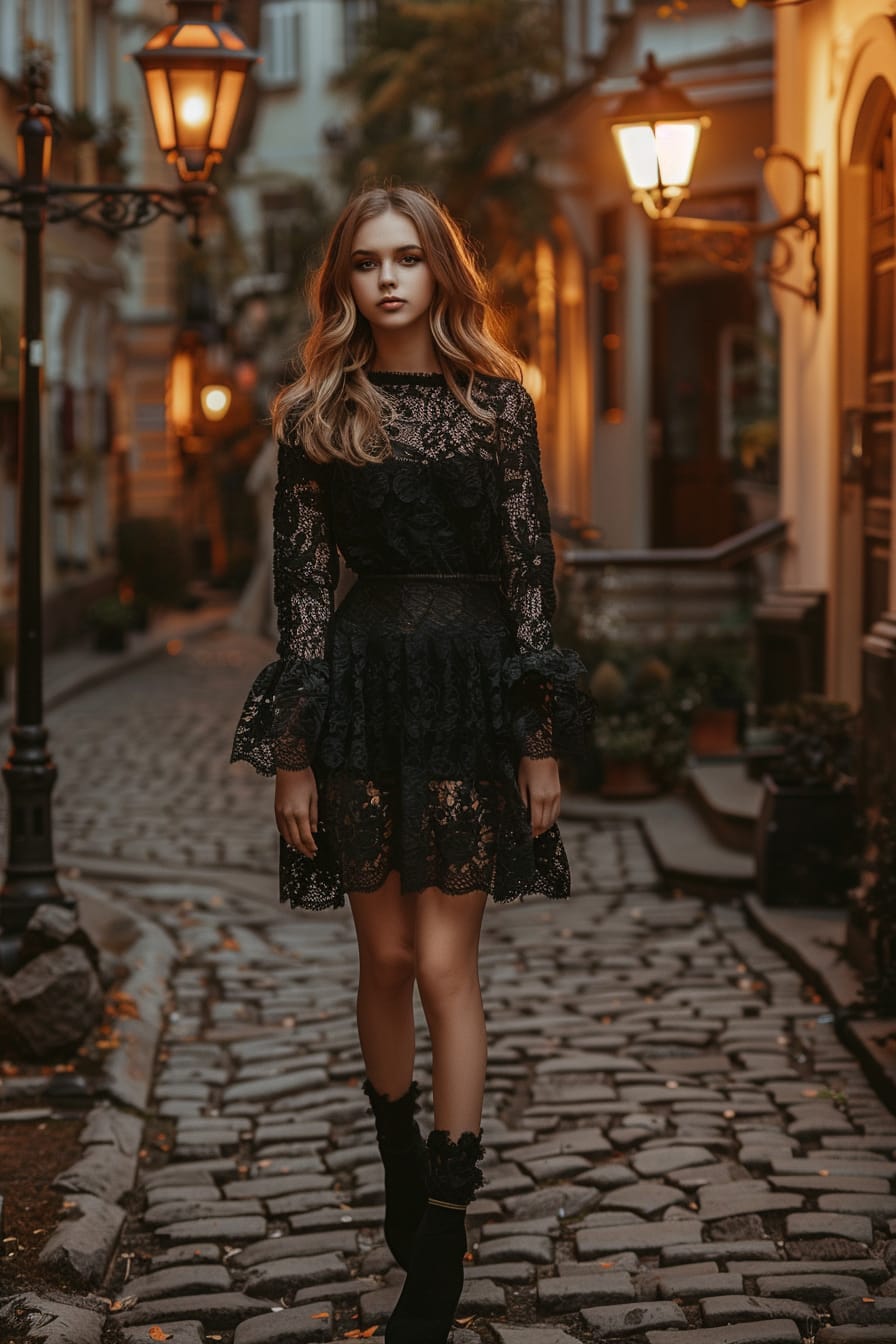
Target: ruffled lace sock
{"type": "Point", "coordinates": [404, 1162]}
{"type": "Point", "coordinates": [424, 1313]}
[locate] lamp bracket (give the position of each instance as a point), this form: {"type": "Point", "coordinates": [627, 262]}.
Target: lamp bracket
{"type": "Point", "coordinates": [114, 208]}
{"type": "Point", "coordinates": [731, 244]}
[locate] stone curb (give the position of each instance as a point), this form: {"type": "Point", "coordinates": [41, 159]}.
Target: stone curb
{"type": "Point", "coordinates": [789, 933]}
{"type": "Point", "coordinates": [84, 1244]}
{"type": "Point", "coordinates": [128, 1070]}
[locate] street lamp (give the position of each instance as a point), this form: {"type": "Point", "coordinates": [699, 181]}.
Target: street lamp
{"type": "Point", "coordinates": [197, 58]}
{"type": "Point", "coordinates": [657, 131]}
{"type": "Point", "coordinates": [195, 69]}
{"type": "Point", "coordinates": [215, 399]}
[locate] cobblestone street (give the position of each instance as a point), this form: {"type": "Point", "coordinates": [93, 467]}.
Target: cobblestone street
{"type": "Point", "coordinates": [678, 1147]}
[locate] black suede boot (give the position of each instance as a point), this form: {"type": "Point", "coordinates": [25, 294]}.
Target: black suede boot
{"type": "Point", "coordinates": [424, 1313]}
{"type": "Point", "coordinates": [404, 1161]}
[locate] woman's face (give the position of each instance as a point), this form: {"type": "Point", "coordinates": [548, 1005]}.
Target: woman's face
{"type": "Point", "coordinates": [391, 281]}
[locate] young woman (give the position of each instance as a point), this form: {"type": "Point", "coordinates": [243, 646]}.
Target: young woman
{"type": "Point", "coordinates": [414, 730]}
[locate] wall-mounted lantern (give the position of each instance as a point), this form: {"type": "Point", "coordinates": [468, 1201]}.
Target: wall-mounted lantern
{"type": "Point", "coordinates": [657, 131]}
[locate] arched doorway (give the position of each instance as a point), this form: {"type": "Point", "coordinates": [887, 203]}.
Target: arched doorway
{"type": "Point", "coordinates": [876, 475]}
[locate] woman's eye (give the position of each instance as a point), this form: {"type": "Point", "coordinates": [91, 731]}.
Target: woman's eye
{"type": "Point", "coordinates": [362, 265]}
{"type": "Point", "coordinates": [412, 259]}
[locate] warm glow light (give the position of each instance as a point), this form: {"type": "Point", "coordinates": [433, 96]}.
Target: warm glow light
{"type": "Point", "coordinates": [657, 131]}
{"type": "Point", "coordinates": [533, 381]}
{"type": "Point", "coordinates": [676, 149]}
{"type": "Point", "coordinates": [215, 401]}
{"type": "Point", "coordinates": [180, 393]}
{"type": "Point", "coordinates": [637, 145]}
{"type": "Point", "coordinates": [194, 109]}
{"type": "Point", "coordinates": [195, 70]}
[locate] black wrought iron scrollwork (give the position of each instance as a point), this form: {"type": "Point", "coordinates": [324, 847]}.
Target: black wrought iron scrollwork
{"type": "Point", "coordinates": [113, 208]}
{"type": "Point", "coordinates": [732, 244]}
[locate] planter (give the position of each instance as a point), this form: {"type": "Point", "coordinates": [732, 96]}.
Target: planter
{"type": "Point", "coordinates": [806, 845]}
{"type": "Point", "coordinates": [715, 732]}
{"type": "Point", "coordinates": [627, 779]}
{"type": "Point", "coordinates": [109, 639]}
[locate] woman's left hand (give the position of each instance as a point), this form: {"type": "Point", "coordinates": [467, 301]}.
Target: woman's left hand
{"type": "Point", "coordinates": [539, 784]}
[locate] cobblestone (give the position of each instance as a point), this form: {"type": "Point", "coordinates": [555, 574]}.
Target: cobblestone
{"type": "Point", "coordinates": [679, 1151]}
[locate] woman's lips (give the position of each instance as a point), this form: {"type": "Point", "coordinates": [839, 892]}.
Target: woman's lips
{"type": "Point", "coordinates": [390, 304]}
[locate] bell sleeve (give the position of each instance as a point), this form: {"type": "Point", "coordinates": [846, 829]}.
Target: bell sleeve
{"type": "Point", "coordinates": [550, 714]}
{"type": "Point", "coordinates": [284, 712]}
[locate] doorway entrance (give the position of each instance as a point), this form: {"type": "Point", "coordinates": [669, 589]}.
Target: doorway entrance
{"type": "Point", "coordinates": [880, 375]}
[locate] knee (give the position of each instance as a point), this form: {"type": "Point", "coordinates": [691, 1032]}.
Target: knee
{"type": "Point", "coordinates": [390, 968]}
{"type": "Point", "coordinates": [443, 983]}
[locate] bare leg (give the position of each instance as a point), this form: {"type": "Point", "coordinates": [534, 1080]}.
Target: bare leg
{"type": "Point", "coordinates": [447, 951]}
{"type": "Point", "coordinates": [384, 924]}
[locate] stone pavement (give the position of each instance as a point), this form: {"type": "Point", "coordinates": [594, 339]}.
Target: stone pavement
{"type": "Point", "coordinates": [678, 1148]}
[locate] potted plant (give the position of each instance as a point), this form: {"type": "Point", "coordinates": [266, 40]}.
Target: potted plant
{"type": "Point", "coordinates": [871, 930]}
{"type": "Point", "coordinates": [625, 743]}
{"type": "Point", "coordinates": [640, 735]}
{"type": "Point", "coordinates": [807, 837]}
{"type": "Point", "coordinates": [110, 619]}
{"type": "Point", "coordinates": [717, 676]}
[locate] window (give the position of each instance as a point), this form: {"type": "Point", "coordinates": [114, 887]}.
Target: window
{"type": "Point", "coordinates": [356, 14]}
{"type": "Point", "coordinates": [281, 44]}
{"type": "Point", "coordinates": [10, 42]}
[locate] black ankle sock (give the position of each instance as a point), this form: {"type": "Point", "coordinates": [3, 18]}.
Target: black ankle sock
{"type": "Point", "coordinates": [404, 1157]}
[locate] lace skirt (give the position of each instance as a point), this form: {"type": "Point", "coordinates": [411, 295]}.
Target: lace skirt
{"type": "Point", "coordinates": [429, 707]}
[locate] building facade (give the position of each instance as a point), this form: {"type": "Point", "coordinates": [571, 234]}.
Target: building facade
{"type": "Point", "coordinates": [82, 473]}
{"type": "Point", "coordinates": [837, 109]}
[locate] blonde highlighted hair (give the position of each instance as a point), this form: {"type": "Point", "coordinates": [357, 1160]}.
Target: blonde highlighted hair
{"type": "Point", "coordinates": [332, 408]}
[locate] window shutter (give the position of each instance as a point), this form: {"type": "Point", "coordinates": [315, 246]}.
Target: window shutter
{"type": "Point", "coordinates": [281, 44]}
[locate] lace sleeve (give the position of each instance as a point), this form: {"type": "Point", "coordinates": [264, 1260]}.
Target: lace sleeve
{"type": "Point", "coordinates": [284, 712]}
{"type": "Point", "coordinates": [550, 713]}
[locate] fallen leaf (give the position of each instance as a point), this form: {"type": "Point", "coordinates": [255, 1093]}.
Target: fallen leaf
{"type": "Point", "coordinates": [156, 1332]}
{"type": "Point", "coordinates": [123, 1303]}
{"type": "Point", "coordinates": [321, 1316]}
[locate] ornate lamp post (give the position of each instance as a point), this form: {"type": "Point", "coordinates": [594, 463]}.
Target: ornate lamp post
{"type": "Point", "coordinates": [195, 69]}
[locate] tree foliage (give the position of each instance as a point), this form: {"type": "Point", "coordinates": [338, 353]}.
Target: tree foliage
{"type": "Point", "coordinates": [437, 86]}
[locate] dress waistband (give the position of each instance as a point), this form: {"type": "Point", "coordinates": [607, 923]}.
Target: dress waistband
{"type": "Point", "coordinates": [436, 574]}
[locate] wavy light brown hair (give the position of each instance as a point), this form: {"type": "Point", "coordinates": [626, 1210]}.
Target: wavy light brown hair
{"type": "Point", "coordinates": [332, 408]}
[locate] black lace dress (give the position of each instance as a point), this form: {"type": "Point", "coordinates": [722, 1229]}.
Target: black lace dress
{"type": "Point", "coordinates": [414, 699]}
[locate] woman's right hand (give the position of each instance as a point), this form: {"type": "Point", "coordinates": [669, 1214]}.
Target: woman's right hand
{"type": "Point", "coordinates": [295, 807]}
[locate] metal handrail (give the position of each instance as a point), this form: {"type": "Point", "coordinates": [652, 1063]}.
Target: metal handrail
{"type": "Point", "coordinates": [731, 551]}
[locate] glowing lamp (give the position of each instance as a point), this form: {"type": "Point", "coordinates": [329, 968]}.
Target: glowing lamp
{"type": "Point", "coordinates": [215, 401]}
{"type": "Point", "coordinates": [657, 131]}
{"type": "Point", "coordinates": [195, 69]}
{"type": "Point", "coordinates": [180, 393]}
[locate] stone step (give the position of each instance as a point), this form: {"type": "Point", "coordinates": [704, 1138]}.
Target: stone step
{"type": "Point", "coordinates": [682, 845]}
{"type": "Point", "coordinates": [728, 800]}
